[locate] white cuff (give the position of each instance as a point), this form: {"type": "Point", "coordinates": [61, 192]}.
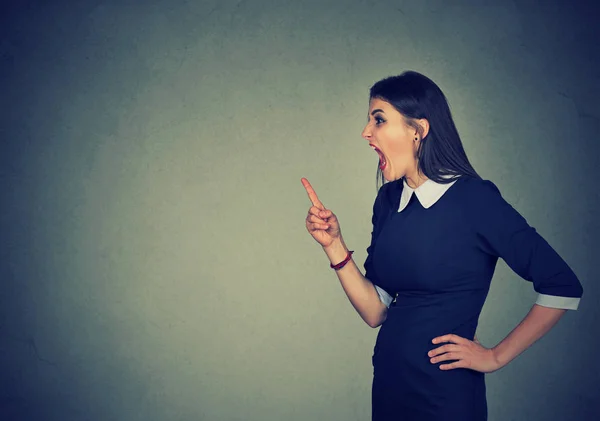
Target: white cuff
{"type": "Point", "coordinates": [554, 301]}
{"type": "Point", "coordinates": [384, 296]}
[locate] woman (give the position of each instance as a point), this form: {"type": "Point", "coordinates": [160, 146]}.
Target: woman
{"type": "Point", "coordinates": [438, 231]}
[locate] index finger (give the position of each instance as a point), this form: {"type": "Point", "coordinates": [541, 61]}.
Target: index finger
{"type": "Point", "coordinates": [311, 194]}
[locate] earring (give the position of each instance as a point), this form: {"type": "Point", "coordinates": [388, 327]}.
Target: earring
{"type": "Point", "coordinates": [416, 138]}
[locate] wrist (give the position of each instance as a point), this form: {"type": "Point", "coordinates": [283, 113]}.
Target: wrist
{"type": "Point", "coordinates": [336, 251]}
{"type": "Point", "coordinates": [497, 358]}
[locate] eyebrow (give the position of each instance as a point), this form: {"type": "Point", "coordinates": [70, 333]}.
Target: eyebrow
{"type": "Point", "coordinates": [376, 110]}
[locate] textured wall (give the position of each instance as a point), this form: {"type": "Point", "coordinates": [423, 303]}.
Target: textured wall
{"type": "Point", "coordinates": [154, 261]}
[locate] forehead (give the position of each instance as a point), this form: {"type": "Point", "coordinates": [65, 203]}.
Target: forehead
{"type": "Point", "coordinates": [376, 103]}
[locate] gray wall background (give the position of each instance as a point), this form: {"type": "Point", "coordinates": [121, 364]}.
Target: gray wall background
{"type": "Point", "coordinates": [154, 259]}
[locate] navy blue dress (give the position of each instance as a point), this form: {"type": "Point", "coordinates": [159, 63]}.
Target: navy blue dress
{"type": "Point", "coordinates": [438, 263]}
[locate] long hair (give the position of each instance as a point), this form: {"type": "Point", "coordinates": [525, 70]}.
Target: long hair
{"type": "Point", "coordinates": [440, 153]}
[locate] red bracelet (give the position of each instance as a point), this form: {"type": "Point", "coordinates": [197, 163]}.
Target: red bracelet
{"type": "Point", "coordinates": [343, 262]}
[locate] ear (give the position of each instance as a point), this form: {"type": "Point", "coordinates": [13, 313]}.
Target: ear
{"type": "Point", "coordinates": [424, 124]}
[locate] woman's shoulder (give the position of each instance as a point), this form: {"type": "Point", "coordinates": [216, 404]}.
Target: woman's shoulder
{"type": "Point", "coordinates": [479, 192]}
{"type": "Point", "coordinates": [478, 185]}
{"type": "Point", "coordinates": [471, 190]}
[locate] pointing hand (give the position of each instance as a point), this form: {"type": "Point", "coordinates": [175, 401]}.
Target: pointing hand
{"type": "Point", "coordinates": [321, 223]}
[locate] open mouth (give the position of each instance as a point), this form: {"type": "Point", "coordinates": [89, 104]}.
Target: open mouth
{"type": "Point", "coordinates": [382, 160]}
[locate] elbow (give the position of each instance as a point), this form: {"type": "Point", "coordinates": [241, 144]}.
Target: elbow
{"type": "Point", "coordinates": [372, 323]}
{"type": "Point", "coordinates": [377, 321]}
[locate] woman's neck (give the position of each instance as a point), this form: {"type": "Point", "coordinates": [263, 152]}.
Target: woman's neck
{"type": "Point", "coordinates": [414, 179]}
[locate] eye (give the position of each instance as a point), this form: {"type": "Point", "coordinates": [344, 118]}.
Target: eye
{"type": "Point", "coordinates": [378, 120]}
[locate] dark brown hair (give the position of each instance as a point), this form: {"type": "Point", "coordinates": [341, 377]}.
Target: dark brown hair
{"type": "Point", "coordinates": [441, 152]}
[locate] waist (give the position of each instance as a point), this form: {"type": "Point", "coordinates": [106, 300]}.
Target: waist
{"type": "Point", "coordinates": [406, 337]}
{"type": "Point", "coordinates": [427, 316]}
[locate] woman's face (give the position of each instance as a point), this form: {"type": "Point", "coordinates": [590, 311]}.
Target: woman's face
{"type": "Point", "coordinates": [392, 139]}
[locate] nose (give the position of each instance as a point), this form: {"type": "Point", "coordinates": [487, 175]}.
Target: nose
{"type": "Point", "coordinates": [366, 133]}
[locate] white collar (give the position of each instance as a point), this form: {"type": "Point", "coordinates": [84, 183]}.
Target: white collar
{"type": "Point", "coordinates": [428, 193]}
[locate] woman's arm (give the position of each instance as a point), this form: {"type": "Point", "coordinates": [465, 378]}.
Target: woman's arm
{"type": "Point", "coordinates": [360, 291]}
{"type": "Point", "coordinates": [472, 355]}
{"type": "Point", "coordinates": [505, 233]}
{"type": "Point", "coordinates": [538, 321]}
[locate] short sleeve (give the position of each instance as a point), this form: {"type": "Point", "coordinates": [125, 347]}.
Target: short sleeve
{"type": "Point", "coordinates": [504, 233]}
{"type": "Point", "coordinates": [379, 209]}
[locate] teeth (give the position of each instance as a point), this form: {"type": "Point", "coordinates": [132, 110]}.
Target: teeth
{"type": "Point", "coordinates": [382, 160]}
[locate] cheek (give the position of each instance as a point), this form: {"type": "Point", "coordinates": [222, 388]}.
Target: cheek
{"type": "Point", "coordinates": [402, 148]}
